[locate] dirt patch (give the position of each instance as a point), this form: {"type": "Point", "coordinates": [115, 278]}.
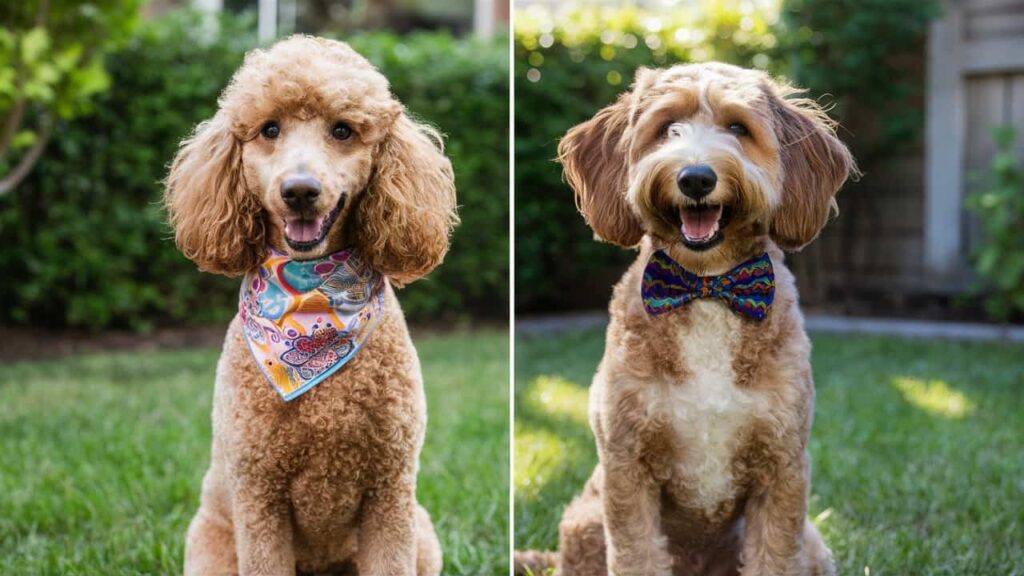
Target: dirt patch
{"type": "Point", "coordinates": [20, 343]}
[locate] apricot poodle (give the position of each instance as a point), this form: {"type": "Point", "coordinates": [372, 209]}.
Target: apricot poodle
{"type": "Point", "coordinates": [702, 405]}
{"type": "Point", "coordinates": [313, 182]}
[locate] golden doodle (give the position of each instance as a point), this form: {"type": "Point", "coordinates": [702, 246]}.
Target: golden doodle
{"type": "Point", "coordinates": [313, 182]}
{"type": "Point", "coordinates": [702, 405]}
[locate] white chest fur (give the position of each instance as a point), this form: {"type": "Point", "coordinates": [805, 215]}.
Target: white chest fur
{"type": "Point", "coordinates": [707, 410]}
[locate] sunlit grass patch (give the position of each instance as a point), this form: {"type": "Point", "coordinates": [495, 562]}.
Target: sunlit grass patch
{"type": "Point", "coordinates": [537, 454]}
{"type": "Point", "coordinates": [934, 396]}
{"type": "Point", "coordinates": [557, 396]}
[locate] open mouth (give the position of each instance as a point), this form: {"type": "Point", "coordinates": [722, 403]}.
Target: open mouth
{"type": "Point", "coordinates": [304, 233]}
{"type": "Point", "coordinates": [701, 225]}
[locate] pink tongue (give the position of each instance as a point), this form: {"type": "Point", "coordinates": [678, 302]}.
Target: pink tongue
{"type": "Point", "coordinates": [300, 230]}
{"type": "Point", "coordinates": [700, 224]}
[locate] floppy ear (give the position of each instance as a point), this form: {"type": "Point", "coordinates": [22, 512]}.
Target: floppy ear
{"type": "Point", "coordinates": [407, 213]}
{"type": "Point", "coordinates": [593, 157]}
{"type": "Point", "coordinates": [815, 163]}
{"type": "Point", "coordinates": [217, 223]}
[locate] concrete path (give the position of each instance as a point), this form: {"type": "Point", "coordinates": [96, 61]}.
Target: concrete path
{"type": "Point", "coordinates": [823, 324]}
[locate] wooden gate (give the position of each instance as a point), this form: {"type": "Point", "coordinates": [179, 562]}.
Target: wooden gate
{"type": "Point", "coordinates": [975, 84]}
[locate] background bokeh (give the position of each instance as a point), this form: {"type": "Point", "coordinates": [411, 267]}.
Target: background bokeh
{"type": "Point", "coordinates": [84, 235]}
{"type": "Point", "coordinates": [889, 252]}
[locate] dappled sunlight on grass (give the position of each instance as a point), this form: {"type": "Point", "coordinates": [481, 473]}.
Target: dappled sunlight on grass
{"type": "Point", "coordinates": [934, 396]}
{"type": "Point", "coordinates": [539, 454]}
{"type": "Point", "coordinates": [905, 480]}
{"type": "Point", "coordinates": [557, 396]}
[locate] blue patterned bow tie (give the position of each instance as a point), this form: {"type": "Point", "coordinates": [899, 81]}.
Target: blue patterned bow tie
{"type": "Point", "coordinates": [748, 288]}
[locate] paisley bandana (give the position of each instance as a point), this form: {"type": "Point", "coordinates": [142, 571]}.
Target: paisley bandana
{"type": "Point", "coordinates": [304, 320]}
{"type": "Point", "coordinates": [747, 289]}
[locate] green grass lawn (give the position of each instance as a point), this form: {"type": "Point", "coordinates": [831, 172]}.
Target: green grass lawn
{"type": "Point", "coordinates": [918, 450]}
{"type": "Point", "coordinates": [101, 457]}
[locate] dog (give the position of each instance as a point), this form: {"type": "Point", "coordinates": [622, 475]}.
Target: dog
{"type": "Point", "coordinates": [702, 404]}
{"type": "Point", "coordinates": [313, 182]}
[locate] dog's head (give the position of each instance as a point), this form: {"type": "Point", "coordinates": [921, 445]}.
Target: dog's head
{"type": "Point", "coordinates": [310, 153]}
{"type": "Point", "coordinates": [706, 159]}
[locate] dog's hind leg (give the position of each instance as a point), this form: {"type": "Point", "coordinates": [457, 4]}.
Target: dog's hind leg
{"type": "Point", "coordinates": [819, 558]}
{"type": "Point", "coordinates": [210, 542]}
{"type": "Point", "coordinates": [583, 551]}
{"type": "Point", "coordinates": [210, 546]}
{"type": "Point", "coordinates": [428, 549]}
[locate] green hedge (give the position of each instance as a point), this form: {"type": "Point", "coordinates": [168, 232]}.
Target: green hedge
{"type": "Point", "coordinates": [84, 240]}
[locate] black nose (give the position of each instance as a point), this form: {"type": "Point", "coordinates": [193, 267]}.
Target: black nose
{"type": "Point", "coordinates": [696, 181]}
{"type": "Point", "coordinates": [300, 192]}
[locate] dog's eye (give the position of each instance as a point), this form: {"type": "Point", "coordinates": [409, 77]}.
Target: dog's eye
{"type": "Point", "coordinates": [341, 131]}
{"type": "Point", "coordinates": [270, 130]}
{"type": "Point", "coordinates": [739, 129]}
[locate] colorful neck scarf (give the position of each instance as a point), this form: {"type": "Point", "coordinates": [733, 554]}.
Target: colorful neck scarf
{"type": "Point", "coordinates": [748, 288]}
{"type": "Point", "coordinates": [304, 320]}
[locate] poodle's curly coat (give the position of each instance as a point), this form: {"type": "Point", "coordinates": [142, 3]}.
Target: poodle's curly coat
{"type": "Point", "coordinates": [701, 416]}
{"type": "Point", "coordinates": [326, 482]}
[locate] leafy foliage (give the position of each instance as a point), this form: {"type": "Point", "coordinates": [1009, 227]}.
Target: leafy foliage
{"type": "Point", "coordinates": [85, 239]}
{"type": "Point", "coordinates": [52, 64]}
{"type": "Point", "coordinates": [1000, 209]}
{"type": "Point", "coordinates": [858, 51]}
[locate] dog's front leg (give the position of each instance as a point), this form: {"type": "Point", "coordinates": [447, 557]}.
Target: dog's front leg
{"type": "Point", "coordinates": [263, 534]}
{"type": "Point", "coordinates": [636, 546]}
{"type": "Point", "coordinates": [387, 530]}
{"type": "Point", "coordinates": [775, 516]}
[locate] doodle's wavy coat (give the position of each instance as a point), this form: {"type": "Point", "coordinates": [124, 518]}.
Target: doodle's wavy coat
{"type": "Point", "coordinates": [701, 415]}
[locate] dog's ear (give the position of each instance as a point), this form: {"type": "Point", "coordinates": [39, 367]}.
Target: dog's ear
{"type": "Point", "coordinates": [815, 164]}
{"type": "Point", "coordinates": [593, 157]}
{"type": "Point", "coordinates": [407, 213]}
{"type": "Point", "coordinates": [218, 224]}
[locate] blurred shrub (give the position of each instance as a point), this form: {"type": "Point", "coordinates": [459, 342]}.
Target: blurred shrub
{"type": "Point", "coordinates": [1000, 209]}
{"type": "Point", "coordinates": [461, 87]}
{"type": "Point", "coordinates": [567, 67]}
{"type": "Point", "coordinates": [860, 52]}
{"type": "Point", "coordinates": [84, 239]}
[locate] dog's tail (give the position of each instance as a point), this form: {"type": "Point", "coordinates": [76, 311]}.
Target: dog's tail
{"type": "Point", "coordinates": [535, 563]}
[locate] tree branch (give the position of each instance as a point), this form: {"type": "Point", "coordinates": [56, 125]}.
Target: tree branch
{"type": "Point", "coordinates": [13, 120]}
{"type": "Point", "coordinates": [11, 125]}
{"type": "Point", "coordinates": [11, 180]}
{"type": "Point", "coordinates": [44, 10]}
